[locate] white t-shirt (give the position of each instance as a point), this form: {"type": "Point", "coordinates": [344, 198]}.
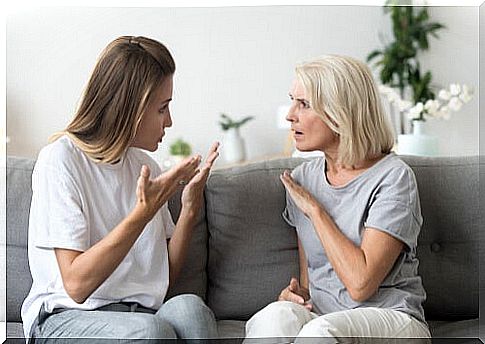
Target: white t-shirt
{"type": "Point", "coordinates": [77, 202]}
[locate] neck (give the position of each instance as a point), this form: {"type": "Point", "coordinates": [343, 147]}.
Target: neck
{"type": "Point", "coordinates": [335, 167]}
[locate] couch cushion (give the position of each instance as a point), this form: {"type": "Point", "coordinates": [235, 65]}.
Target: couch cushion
{"type": "Point", "coordinates": [252, 251]}
{"type": "Point", "coordinates": [193, 277]}
{"type": "Point", "coordinates": [448, 245]}
{"type": "Point", "coordinates": [19, 193]}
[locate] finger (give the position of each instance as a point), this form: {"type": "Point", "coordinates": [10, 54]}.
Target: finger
{"type": "Point", "coordinates": [294, 285]}
{"type": "Point", "coordinates": [192, 178]}
{"type": "Point", "coordinates": [201, 176]}
{"type": "Point", "coordinates": [213, 153]}
{"type": "Point", "coordinates": [295, 298]}
{"type": "Point", "coordinates": [308, 306]}
{"type": "Point", "coordinates": [143, 180]}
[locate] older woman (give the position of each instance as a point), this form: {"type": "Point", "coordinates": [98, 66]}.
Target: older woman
{"type": "Point", "coordinates": [356, 212]}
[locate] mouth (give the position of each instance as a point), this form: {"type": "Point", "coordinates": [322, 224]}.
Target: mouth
{"type": "Point", "coordinates": [297, 134]}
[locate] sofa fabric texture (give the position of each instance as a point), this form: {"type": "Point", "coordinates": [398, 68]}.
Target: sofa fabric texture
{"type": "Point", "coordinates": [243, 253]}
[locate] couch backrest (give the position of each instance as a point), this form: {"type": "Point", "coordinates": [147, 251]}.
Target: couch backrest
{"type": "Point", "coordinates": [253, 252]}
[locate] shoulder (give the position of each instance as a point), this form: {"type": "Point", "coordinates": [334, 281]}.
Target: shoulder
{"type": "Point", "coordinates": [308, 169]}
{"type": "Point", "coordinates": [139, 157]}
{"type": "Point", "coordinates": [61, 155]}
{"type": "Point", "coordinates": [395, 169]}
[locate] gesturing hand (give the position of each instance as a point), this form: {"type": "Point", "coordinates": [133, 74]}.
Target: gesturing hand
{"type": "Point", "coordinates": [193, 192]}
{"type": "Point", "coordinates": [153, 193]}
{"type": "Point", "coordinates": [296, 293]}
{"type": "Point", "coordinates": [302, 198]}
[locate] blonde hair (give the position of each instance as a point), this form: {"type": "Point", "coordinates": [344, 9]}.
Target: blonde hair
{"type": "Point", "coordinates": [115, 98]}
{"type": "Point", "coordinates": [342, 91]}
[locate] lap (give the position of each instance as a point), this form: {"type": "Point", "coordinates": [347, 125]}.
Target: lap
{"type": "Point", "coordinates": [104, 324]}
{"type": "Point", "coordinates": [365, 322]}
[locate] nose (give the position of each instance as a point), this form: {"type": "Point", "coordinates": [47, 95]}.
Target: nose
{"type": "Point", "coordinates": [291, 116]}
{"type": "Point", "coordinates": [168, 122]}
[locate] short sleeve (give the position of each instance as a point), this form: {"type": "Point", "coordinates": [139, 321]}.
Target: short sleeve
{"type": "Point", "coordinates": [290, 212]}
{"type": "Point", "coordinates": [56, 213]}
{"type": "Point", "coordinates": [167, 221]}
{"type": "Point", "coordinates": [395, 209]}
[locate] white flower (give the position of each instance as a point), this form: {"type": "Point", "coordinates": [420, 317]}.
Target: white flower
{"type": "Point", "coordinates": [431, 107]}
{"type": "Point", "coordinates": [415, 111]}
{"type": "Point", "coordinates": [445, 112]}
{"type": "Point", "coordinates": [455, 89]}
{"type": "Point", "coordinates": [455, 104]}
{"type": "Point", "coordinates": [444, 94]}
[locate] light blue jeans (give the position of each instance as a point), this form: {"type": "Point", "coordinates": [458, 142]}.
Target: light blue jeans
{"type": "Point", "coordinates": [183, 316]}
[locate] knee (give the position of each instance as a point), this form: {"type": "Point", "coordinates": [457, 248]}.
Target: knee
{"type": "Point", "coordinates": [189, 302]}
{"type": "Point", "coordinates": [151, 327]}
{"type": "Point", "coordinates": [279, 310]}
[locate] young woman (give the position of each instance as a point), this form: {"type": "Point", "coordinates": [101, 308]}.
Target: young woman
{"type": "Point", "coordinates": [356, 212]}
{"type": "Point", "coordinates": [102, 245]}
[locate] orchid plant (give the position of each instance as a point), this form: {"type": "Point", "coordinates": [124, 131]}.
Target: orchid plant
{"type": "Point", "coordinates": [449, 99]}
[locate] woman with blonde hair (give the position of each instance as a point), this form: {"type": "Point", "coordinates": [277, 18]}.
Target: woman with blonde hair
{"type": "Point", "coordinates": [356, 212]}
{"type": "Point", "coordinates": [102, 245]}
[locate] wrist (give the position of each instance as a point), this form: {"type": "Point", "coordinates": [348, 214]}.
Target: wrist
{"type": "Point", "coordinates": [188, 213]}
{"type": "Point", "coordinates": [139, 216]}
{"type": "Point", "coordinates": [316, 212]}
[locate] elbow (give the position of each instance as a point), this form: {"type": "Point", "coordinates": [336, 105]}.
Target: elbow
{"type": "Point", "coordinates": [74, 289]}
{"type": "Point", "coordinates": [361, 292]}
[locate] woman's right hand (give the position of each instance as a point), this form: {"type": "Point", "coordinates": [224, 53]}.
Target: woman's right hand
{"type": "Point", "coordinates": [152, 194]}
{"type": "Point", "coordinates": [296, 293]}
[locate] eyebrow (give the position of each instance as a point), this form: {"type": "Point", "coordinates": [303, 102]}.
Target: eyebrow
{"type": "Point", "coordinates": [299, 99]}
{"type": "Point", "coordinates": [166, 101]}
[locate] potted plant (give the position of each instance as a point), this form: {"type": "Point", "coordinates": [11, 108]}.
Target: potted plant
{"type": "Point", "coordinates": [180, 149]}
{"type": "Point", "coordinates": [398, 60]}
{"type": "Point", "coordinates": [233, 145]}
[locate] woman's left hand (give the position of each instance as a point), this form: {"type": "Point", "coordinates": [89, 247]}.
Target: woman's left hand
{"type": "Point", "coordinates": [193, 192]}
{"type": "Point", "coordinates": [302, 198]}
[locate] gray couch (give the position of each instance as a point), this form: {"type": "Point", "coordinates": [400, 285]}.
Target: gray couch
{"type": "Point", "coordinates": [243, 253]}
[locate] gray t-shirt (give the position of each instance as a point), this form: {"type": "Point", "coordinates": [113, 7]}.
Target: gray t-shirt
{"type": "Point", "coordinates": [384, 197]}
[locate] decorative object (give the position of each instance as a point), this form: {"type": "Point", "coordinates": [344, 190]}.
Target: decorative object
{"type": "Point", "coordinates": [419, 142]}
{"type": "Point", "coordinates": [398, 63]}
{"type": "Point", "coordinates": [233, 146]}
{"type": "Point", "coordinates": [179, 149]}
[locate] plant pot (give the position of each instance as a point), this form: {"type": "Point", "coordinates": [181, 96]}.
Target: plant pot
{"type": "Point", "coordinates": [233, 146]}
{"type": "Point", "coordinates": [418, 143]}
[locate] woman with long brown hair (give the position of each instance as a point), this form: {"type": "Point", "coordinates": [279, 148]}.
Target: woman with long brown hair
{"type": "Point", "coordinates": [102, 245]}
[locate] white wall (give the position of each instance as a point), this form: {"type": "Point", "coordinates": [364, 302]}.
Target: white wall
{"type": "Point", "coordinates": [453, 58]}
{"type": "Point", "coordinates": [234, 59]}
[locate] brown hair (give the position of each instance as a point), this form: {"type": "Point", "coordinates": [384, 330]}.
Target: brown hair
{"type": "Point", "coordinates": [115, 98]}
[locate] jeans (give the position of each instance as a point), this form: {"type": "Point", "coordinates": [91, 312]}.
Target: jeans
{"type": "Point", "coordinates": [183, 316]}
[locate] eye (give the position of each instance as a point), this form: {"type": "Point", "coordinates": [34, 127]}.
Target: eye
{"type": "Point", "coordinates": [305, 104]}
{"type": "Point", "coordinates": [163, 109]}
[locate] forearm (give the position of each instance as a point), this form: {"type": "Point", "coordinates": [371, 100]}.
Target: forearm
{"type": "Point", "coordinates": [347, 259]}
{"type": "Point", "coordinates": [179, 242]}
{"type": "Point", "coordinates": [88, 270]}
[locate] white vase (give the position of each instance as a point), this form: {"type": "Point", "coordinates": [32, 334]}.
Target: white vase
{"type": "Point", "coordinates": [233, 146]}
{"type": "Point", "coordinates": [418, 143]}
